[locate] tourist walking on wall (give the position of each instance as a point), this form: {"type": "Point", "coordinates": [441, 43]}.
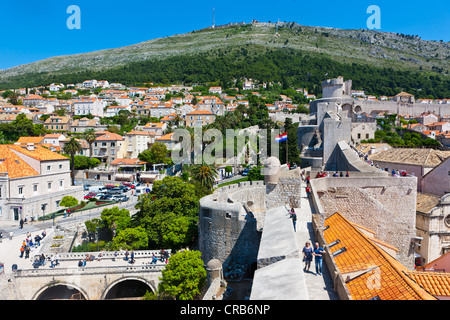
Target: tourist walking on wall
{"type": "Point", "coordinates": [307, 255]}
{"type": "Point", "coordinates": [308, 192]}
{"type": "Point", "coordinates": [294, 218]}
{"type": "Point", "coordinates": [318, 255]}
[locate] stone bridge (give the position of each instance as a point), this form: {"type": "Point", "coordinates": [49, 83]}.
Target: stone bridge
{"type": "Point", "coordinates": [98, 280]}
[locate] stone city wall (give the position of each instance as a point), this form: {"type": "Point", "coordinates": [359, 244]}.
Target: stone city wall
{"type": "Point", "coordinates": [228, 223]}
{"type": "Point", "coordinates": [286, 192]}
{"type": "Point", "coordinates": [387, 205]}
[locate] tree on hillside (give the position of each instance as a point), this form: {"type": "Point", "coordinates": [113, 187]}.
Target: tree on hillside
{"type": "Point", "coordinates": [71, 147]}
{"type": "Point", "coordinates": [14, 98]}
{"type": "Point", "coordinates": [90, 136]}
{"type": "Point", "coordinates": [158, 153]}
{"type": "Point", "coordinates": [82, 162]}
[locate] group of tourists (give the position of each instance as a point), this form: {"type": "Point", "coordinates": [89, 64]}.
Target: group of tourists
{"type": "Point", "coordinates": [310, 252]}
{"type": "Point", "coordinates": [399, 173]}
{"type": "Point", "coordinates": [28, 244]}
{"type": "Point", "coordinates": [325, 174]}
{"type": "Point", "coordinates": [163, 257]}
{"type": "Point", "coordinates": [129, 256]}
{"type": "Point", "coordinates": [89, 257]}
{"type": "Point", "coordinates": [41, 260]}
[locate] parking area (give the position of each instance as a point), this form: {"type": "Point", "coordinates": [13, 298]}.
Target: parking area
{"type": "Point", "coordinates": [118, 192]}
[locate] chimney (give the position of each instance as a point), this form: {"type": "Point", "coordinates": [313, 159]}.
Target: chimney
{"type": "Point", "coordinates": [30, 146]}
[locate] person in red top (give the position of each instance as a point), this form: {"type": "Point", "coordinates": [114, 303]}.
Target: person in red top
{"type": "Point", "coordinates": [308, 191]}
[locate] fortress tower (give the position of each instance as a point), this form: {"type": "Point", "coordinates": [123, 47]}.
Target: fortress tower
{"type": "Point", "coordinates": [336, 88]}
{"type": "Point", "coordinates": [318, 140]}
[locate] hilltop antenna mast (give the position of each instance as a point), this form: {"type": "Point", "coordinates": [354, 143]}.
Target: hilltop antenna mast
{"type": "Point", "coordinates": [214, 19]}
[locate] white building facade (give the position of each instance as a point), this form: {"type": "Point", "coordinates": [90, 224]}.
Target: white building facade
{"type": "Point", "coordinates": [33, 181]}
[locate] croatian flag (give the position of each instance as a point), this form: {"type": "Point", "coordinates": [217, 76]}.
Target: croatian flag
{"type": "Point", "coordinates": [281, 137]}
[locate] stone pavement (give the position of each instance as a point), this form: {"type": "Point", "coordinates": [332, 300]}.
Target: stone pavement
{"type": "Point", "coordinates": [10, 249]}
{"type": "Point", "coordinates": [10, 254]}
{"type": "Point", "coordinates": [319, 287]}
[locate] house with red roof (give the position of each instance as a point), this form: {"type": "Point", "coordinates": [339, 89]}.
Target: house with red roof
{"type": "Point", "coordinates": [33, 181]}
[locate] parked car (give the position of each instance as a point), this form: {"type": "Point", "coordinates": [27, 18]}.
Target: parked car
{"type": "Point", "coordinates": [125, 188]}
{"type": "Point", "coordinates": [86, 187]}
{"type": "Point", "coordinates": [90, 195]}
{"type": "Point", "coordinates": [97, 189]}
{"type": "Point", "coordinates": [115, 190]}
{"type": "Point", "coordinates": [245, 172]}
{"type": "Point", "coordinates": [105, 197]}
{"type": "Point", "coordinates": [130, 185]}
{"type": "Point", "coordinates": [120, 198]}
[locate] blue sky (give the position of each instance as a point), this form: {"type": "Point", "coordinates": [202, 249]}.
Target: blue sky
{"type": "Point", "coordinates": [34, 30]}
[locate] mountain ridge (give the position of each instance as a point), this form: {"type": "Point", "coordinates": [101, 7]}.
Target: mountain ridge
{"type": "Point", "coordinates": [365, 47]}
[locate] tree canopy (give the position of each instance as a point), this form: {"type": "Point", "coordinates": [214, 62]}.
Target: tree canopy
{"type": "Point", "coordinates": [184, 276]}
{"type": "Point", "coordinates": [169, 213]}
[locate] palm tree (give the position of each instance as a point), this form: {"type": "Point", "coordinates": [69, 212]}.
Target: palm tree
{"type": "Point", "coordinates": [89, 136]}
{"type": "Point", "coordinates": [71, 147]}
{"type": "Point", "coordinates": [205, 174]}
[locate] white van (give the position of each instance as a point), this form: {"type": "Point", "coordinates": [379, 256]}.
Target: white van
{"type": "Point", "coordinates": [97, 189]}
{"type": "Point", "coordinates": [141, 190]}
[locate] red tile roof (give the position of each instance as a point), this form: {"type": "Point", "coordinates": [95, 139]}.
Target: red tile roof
{"type": "Point", "coordinates": [371, 272]}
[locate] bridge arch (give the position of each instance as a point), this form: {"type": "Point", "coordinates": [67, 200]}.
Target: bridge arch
{"type": "Point", "coordinates": [70, 288]}
{"type": "Point", "coordinates": [131, 279]}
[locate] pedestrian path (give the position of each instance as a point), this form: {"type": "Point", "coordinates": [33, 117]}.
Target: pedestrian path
{"type": "Point", "coordinates": [319, 287]}
{"type": "Point", "coordinates": [10, 249]}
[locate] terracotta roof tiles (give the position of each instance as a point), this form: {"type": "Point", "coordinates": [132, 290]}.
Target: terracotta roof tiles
{"type": "Point", "coordinates": [25, 140]}
{"type": "Point", "coordinates": [436, 283]}
{"type": "Point", "coordinates": [369, 271]}
{"type": "Point", "coordinates": [12, 164]}
{"type": "Point", "coordinates": [39, 153]}
{"type": "Point", "coordinates": [110, 136]}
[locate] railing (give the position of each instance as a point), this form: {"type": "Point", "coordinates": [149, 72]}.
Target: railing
{"type": "Point", "coordinates": [158, 267]}
{"type": "Point", "coordinates": [67, 256]}
{"type": "Point", "coordinates": [238, 185]}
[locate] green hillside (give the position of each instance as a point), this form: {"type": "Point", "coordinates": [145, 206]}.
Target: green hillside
{"type": "Point", "coordinates": [378, 62]}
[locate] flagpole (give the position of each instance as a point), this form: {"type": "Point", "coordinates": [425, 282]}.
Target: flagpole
{"type": "Point", "coordinates": [286, 148]}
